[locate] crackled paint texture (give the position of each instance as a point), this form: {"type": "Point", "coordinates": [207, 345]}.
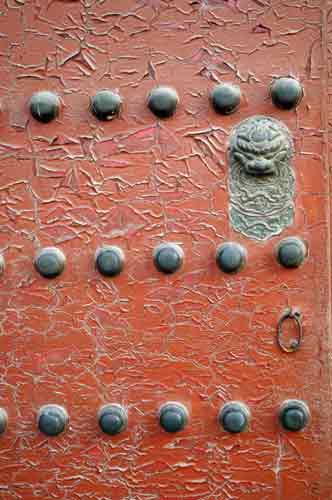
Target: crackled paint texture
{"type": "Point", "coordinates": [143, 338]}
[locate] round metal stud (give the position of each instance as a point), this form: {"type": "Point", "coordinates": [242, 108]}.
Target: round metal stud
{"type": "Point", "coordinates": [2, 264]}
{"type": "Point", "coordinates": [230, 257]}
{"type": "Point", "coordinates": [105, 105]}
{"type": "Point", "coordinates": [109, 260]}
{"type": "Point", "coordinates": [168, 257]}
{"type": "Point", "coordinates": [290, 252]}
{"type": "Point", "coordinates": [162, 101]}
{"type": "Point", "coordinates": [50, 262]}
{"type": "Point", "coordinates": [173, 416]}
{"type": "Point", "coordinates": [286, 92]}
{"type": "Point", "coordinates": [3, 420]}
{"type": "Point", "coordinates": [234, 417]}
{"type": "Point", "coordinates": [44, 106]}
{"type": "Point", "coordinates": [225, 98]}
{"type": "Point", "coordinates": [112, 419]}
{"type": "Point", "coordinates": [294, 415]}
{"type": "Point", "coordinates": [52, 419]}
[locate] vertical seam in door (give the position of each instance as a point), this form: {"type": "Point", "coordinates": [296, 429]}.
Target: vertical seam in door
{"type": "Point", "coordinates": [327, 343]}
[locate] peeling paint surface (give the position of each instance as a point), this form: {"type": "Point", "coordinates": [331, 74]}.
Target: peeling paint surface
{"type": "Point", "coordinates": [198, 337]}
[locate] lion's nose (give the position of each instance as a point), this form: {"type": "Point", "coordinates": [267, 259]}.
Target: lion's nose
{"type": "Point", "coordinates": [260, 166]}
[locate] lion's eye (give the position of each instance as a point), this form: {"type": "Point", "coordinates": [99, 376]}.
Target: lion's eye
{"type": "Point", "coordinates": [275, 145]}
{"type": "Point", "coordinates": [281, 156]}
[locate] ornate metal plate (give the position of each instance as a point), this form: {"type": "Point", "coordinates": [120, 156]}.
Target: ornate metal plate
{"type": "Point", "coordinates": [261, 180]}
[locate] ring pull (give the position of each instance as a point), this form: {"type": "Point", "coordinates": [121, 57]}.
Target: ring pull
{"type": "Point", "coordinates": [295, 344]}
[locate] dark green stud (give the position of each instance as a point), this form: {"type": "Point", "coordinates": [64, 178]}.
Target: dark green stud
{"type": "Point", "coordinates": [52, 420]}
{"type": "Point", "coordinates": [3, 420]}
{"type": "Point", "coordinates": [2, 264]}
{"type": "Point", "coordinates": [234, 417]}
{"type": "Point", "coordinates": [294, 415]}
{"type": "Point", "coordinates": [112, 419]}
{"type": "Point", "coordinates": [168, 257]}
{"type": "Point", "coordinates": [44, 106]}
{"type": "Point", "coordinates": [162, 101]}
{"type": "Point", "coordinates": [105, 105]}
{"type": "Point", "coordinates": [230, 257]}
{"type": "Point", "coordinates": [50, 262]}
{"type": "Point", "coordinates": [286, 92]}
{"type": "Point", "coordinates": [173, 417]}
{"type": "Point", "coordinates": [225, 98]}
{"type": "Point", "coordinates": [290, 252]}
{"type": "Point", "coordinates": [109, 260]}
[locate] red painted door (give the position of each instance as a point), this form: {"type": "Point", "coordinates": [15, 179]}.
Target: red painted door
{"type": "Point", "coordinates": [199, 336]}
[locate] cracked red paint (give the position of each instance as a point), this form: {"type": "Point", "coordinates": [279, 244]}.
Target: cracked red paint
{"type": "Point", "coordinates": [141, 339]}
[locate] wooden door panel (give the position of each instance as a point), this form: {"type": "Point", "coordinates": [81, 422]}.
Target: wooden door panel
{"type": "Point", "coordinates": [199, 336]}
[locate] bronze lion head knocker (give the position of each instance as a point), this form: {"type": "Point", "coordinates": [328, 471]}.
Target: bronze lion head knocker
{"type": "Point", "coordinates": [261, 179]}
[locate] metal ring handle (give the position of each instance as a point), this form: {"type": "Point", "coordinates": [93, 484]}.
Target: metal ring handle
{"type": "Point", "coordinates": [296, 316]}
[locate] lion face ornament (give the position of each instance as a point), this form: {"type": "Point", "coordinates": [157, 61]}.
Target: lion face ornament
{"type": "Point", "coordinates": [261, 180]}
